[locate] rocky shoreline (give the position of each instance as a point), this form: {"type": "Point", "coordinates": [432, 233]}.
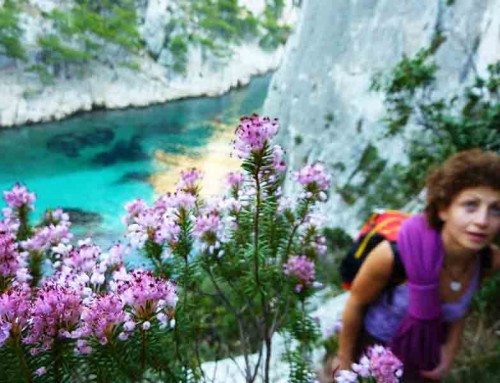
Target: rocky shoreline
{"type": "Point", "coordinates": [25, 99]}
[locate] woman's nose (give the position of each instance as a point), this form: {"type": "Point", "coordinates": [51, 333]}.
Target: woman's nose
{"type": "Point", "coordinates": [481, 216]}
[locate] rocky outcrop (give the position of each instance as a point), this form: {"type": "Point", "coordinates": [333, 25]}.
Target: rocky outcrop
{"type": "Point", "coordinates": [321, 91]}
{"type": "Point", "coordinates": [25, 99]}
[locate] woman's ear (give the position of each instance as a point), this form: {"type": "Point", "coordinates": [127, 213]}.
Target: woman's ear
{"type": "Point", "coordinates": [443, 213]}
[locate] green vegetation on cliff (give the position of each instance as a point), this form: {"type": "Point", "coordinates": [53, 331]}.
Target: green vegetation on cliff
{"type": "Point", "coordinates": [107, 31]}
{"type": "Point", "coordinates": [432, 127]}
{"type": "Point", "coordinates": [218, 25]}
{"type": "Point", "coordinates": [10, 32]}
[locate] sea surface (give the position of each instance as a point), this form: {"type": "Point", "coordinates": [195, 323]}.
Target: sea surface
{"type": "Point", "coordinates": [93, 163]}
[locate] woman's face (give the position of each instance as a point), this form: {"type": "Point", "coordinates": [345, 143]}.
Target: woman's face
{"type": "Point", "coordinates": [472, 220]}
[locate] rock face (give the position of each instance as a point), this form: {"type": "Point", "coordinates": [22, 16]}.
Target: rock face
{"type": "Point", "coordinates": [321, 91]}
{"type": "Point", "coordinates": [25, 99]}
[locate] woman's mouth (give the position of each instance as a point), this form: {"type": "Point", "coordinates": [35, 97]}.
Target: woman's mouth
{"type": "Point", "coordinates": [477, 237]}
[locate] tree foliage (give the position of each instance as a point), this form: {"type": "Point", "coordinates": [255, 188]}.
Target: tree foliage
{"type": "Point", "coordinates": [220, 25]}
{"type": "Point", "coordinates": [10, 32]}
{"type": "Point", "coordinates": [432, 126]}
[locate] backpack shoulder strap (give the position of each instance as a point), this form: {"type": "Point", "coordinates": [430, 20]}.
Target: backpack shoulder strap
{"type": "Point", "coordinates": [398, 271]}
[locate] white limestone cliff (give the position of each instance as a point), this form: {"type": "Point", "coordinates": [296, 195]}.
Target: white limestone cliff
{"type": "Point", "coordinates": [321, 92]}
{"type": "Point", "coordinates": [25, 99]}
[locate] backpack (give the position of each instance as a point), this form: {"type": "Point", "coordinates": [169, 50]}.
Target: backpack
{"type": "Point", "coordinates": [383, 225]}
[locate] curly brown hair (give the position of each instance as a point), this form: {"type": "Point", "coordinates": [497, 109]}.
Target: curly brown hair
{"type": "Point", "coordinates": [463, 170]}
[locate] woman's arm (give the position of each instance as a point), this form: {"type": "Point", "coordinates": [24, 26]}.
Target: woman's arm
{"type": "Point", "coordinates": [448, 351]}
{"type": "Point", "coordinates": [370, 280]}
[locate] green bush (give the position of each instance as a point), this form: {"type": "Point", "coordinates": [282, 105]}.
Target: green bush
{"type": "Point", "coordinates": [10, 32]}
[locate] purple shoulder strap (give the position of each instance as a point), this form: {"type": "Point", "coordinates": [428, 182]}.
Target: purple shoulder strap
{"type": "Point", "coordinates": [418, 340]}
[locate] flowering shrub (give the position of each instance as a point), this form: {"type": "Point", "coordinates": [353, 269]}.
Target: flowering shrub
{"type": "Point", "coordinates": [225, 272]}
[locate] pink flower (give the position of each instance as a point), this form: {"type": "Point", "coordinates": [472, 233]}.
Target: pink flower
{"type": "Point", "coordinates": [384, 365]}
{"type": "Point", "coordinates": [314, 179]}
{"type": "Point", "coordinates": [10, 223]}
{"type": "Point", "coordinates": [82, 347]}
{"type": "Point", "coordinates": [363, 367]}
{"type": "Point", "coordinates": [84, 258]}
{"type": "Point", "coordinates": [346, 376]}
{"type": "Point", "coordinates": [10, 259]}
{"type": "Point", "coordinates": [189, 181]}
{"type": "Point", "coordinates": [301, 268]}
{"type": "Point", "coordinates": [134, 208]}
{"type": "Point", "coordinates": [56, 217]}
{"type": "Point", "coordinates": [253, 133]}
{"type": "Point", "coordinates": [101, 318]}
{"type": "Point", "coordinates": [55, 313]}
{"type": "Point", "coordinates": [154, 224]}
{"type": "Point", "coordinates": [182, 200]}
{"type": "Point", "coordinates": [19, 196]}
{"type": "Point", "coordinates": [40, 371]}
{"type": "Point", "coordinates": [15, 306]}
{"type": "Point", "coordinates": [146, 295]}
{"type": "Point", "coordinates": [279, 163]}
{"type": "Point", "coordinates": [47, 237]}
{"type": "Point", "coordinates": [113, 258]}
{"type": "Point", "coordinates": [235, 180]}
{"type": "Point", "coordinates": [209, 231]}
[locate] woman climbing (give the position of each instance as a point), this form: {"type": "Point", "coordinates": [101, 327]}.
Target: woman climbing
{"type": "Point", "coordinates": [413, 294]}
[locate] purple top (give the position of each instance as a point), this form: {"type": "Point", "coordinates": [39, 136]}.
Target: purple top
{"type": "Point", "coordinates": [383, 319]}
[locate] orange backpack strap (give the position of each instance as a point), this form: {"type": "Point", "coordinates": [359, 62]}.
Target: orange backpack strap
{"type": "Point", "coordinates": [386, 224]}
{"type": "Point", "coordinates": [380, 226]}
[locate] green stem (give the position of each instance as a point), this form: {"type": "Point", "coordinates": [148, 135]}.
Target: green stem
{"type": "Point", "coordinates": [256, 228]}
{"type": "Point", "coordinates": [294, 230]}
{"type": "Point", "coordinates": [265, 311]}
{"type": "Point", "coordinates": [143, 351]}
{"type": "Point", "coordinates": [22, 361]}
{"type": "Point", "coordinates": [24, 230]}
{"type": "Point", "coordinates": [56, 350]}
{"type": "Point", "coordinates": [133, 377]}
{"type": "Point", "coordinates": [35, 267]}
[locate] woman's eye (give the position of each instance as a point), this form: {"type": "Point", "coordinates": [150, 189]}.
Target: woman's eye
{"type": "Point", "coordinates": [495, 211]}
{"type": "Point", "coordinates": [470, 205]}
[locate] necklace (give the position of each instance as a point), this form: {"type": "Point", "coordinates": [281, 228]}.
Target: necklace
{"type": "Point", "coordinates": [455, 284]}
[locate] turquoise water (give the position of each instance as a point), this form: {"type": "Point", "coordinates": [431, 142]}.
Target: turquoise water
{"type": "Point", "coordinates": [98, 161]}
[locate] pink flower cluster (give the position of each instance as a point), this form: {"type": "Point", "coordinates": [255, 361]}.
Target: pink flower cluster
{"type": "Point", "coordinates": [19, 196]}
{"type": "Point", "coordinates": [312, 242]}
{"type": "Point", "coordinates": [279, 163]}
{"type": "Point", "coordinates": [301, 268]}
{"type": "Point", "coordinates": [56, 217]}
{"type": "Point", "coordinates": [314, 179]}
{"type": "Point", "coordinates": [9, 255]}
{"type": "Point", "coordinates": [55, 313]}
{"type": "Point", "coordinates": [134, 208]}
{"type": "Point", "coordinates": [209, 231]}
{"type": "Point", "coordinates": [385, 366]}
{"type": "Point", "coordinates": [253, 133]}
{"type": "Point", "coordinates": [102, 317]}
{"type": "Point", "coordinates": [235, 180]}
{"type": "Point", "coordinates": [156, 224]}
{"type": "Point", "coordinates": [10, 222]}
{"type": "Point", "coordinates": [147, 295]}
{"type": "Point", "coordinates": [15, 306]}
{"type": "Point", "coordinates": [59, 310]}
{"type": "Point", "coordinates": [46, 237]}
{"type": "Point", "coordinates": [379, 364]}
{"type": "Point", "coordinates": [189, 181]}
{"type": "Point", "coordinates": [84, 258]}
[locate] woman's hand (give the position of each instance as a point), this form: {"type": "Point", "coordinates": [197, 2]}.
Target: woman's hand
{"type": "Point", "coordinates": [338, 364]}
{"type": "Point", "coordinates": [442, 369]}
